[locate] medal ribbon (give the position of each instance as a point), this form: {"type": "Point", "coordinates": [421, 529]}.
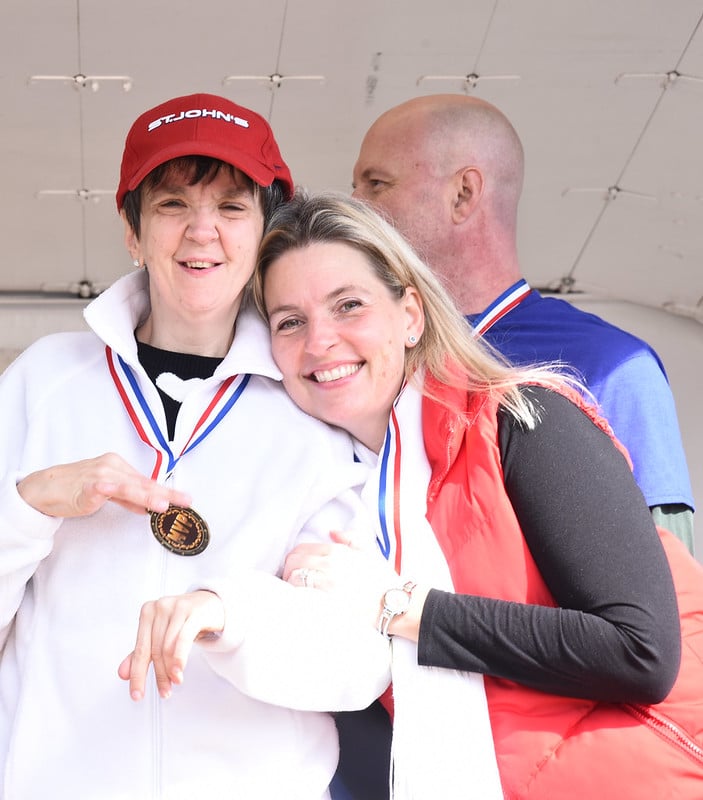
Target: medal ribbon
{"type": "Point", "coordinates": [501, 305]}
{"type": "Point", "coordinates": [389, 495]}
{"type": "Point", "coordinates": [145, 424]}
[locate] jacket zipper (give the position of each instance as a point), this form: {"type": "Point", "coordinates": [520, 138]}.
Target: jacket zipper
{"type": "Point", "coordinates": [667, 730]}
{"type": "Point", "coordinates": [156, 718]}
{"type": "Point", "coordinates": [156, 764]}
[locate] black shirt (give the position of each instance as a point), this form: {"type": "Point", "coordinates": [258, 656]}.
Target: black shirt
{"type": "Point", "coordinates": [185, 365]}
{"type": "Point", "coordinates": [616, 634]}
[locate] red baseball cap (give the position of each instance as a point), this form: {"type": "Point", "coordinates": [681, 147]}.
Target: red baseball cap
{"type": "Point", "coordinates": [202, 125]}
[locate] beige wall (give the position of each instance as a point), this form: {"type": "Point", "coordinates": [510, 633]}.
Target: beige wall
{"type": "Point", "coordinates": [23, 321]}
{"type": "Point", "coordinates": [6, 356]}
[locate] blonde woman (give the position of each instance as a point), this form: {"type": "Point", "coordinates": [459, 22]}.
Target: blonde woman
{"type": "Point", "coordinates": [524, 550]}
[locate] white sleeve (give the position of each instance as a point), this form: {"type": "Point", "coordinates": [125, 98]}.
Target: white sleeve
{"type": "Point", "coordinates": [298, 647]}
{"type": "Point", "coordinates": [295, 647]}
{"type": "Point", "coordinates": [26, 537]}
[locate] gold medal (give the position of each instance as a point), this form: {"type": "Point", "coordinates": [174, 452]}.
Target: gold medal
{"type": "Point", "coordinates": [180, 530]}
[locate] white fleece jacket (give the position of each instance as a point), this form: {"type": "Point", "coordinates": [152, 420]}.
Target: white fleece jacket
{"type": "Point", "coordinates": [248, 721]}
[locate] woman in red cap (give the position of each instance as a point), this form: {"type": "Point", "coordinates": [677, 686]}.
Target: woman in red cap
{"type": "Point", "coordinates": [155, 474]}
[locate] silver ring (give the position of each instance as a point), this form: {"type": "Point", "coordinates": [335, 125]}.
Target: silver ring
{"type": "Point", "coordinates": [304, 577]}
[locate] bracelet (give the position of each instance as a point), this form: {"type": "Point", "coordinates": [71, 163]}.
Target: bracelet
{"type": "Point", "coordinates": [396, 602]}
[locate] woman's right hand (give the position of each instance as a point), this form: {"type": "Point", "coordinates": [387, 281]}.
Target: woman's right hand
{"type": "Point", "coordinates": [167, 629]}
{"type": "Point", "coordinates": [82, 487]}
{"type": "Point", "coordinates": [359, 575]}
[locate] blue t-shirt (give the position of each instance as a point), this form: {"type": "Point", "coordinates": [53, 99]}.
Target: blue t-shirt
{"type": "Point", "coordinates": [624, 374]}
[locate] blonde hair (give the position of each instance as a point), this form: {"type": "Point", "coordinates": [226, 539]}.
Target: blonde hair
{"type": "Point", "coordinates": [446, 350]}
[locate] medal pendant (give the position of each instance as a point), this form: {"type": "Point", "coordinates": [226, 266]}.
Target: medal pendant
{"type": "Point", "coordinates": [180, 530]}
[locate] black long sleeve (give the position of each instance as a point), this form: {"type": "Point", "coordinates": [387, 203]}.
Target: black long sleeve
{"type": "Point", "coordinates": [615, 636]}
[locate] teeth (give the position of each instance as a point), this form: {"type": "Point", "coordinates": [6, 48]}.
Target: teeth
{"type": "Point", "coordinates": [324, 376]}
{"type": "Point", "coordinates": [197, 264]}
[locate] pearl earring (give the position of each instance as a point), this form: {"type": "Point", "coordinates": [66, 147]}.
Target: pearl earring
{"type": "Point", "coordinates": [412, 339]}
{"type": "Point", "coordinates": [136, 262]}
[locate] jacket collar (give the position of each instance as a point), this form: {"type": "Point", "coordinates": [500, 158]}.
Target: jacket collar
{"type": "Point", "coordinates": [117, 312]}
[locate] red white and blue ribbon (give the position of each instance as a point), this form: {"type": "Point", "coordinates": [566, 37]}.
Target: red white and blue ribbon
{"type": "Point", "coordinates": [501, 306]}
{"type": "Point", "coordinates": [389, 540]}
{"type": "Point", "coordinates": [145, 423]}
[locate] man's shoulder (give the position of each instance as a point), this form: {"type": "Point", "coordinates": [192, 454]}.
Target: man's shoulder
{"type": "Point", "coordinates": [553, 310]}
{"type": "Point", "coordinates": [550, 326]}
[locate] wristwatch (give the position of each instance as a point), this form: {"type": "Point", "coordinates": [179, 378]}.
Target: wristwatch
{"type": "Point", "coordinates": [395, 603]}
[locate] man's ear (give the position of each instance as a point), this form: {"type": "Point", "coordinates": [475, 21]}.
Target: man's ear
{"type": "Point", "coordinates": [468, 191]}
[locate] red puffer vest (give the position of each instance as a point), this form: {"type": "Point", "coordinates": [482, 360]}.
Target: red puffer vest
{"type": "Point", "coordinates": [549, 747]}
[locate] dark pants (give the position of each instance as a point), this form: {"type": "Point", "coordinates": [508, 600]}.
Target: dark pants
{"type": "Point", "coordinates": [364, 754]}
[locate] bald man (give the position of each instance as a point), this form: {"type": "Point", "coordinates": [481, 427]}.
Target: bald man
{"type": "Point", "coordinates": [448, 171]}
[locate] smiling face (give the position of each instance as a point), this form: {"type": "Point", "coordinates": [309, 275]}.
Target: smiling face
{"type": "Point", "coordinates": [199, 245]}
{"type": "Point", "coordinates": [339, 336]}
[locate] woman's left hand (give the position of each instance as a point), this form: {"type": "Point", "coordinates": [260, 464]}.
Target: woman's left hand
{"type": "Point", "coordinates": [167, 629]}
